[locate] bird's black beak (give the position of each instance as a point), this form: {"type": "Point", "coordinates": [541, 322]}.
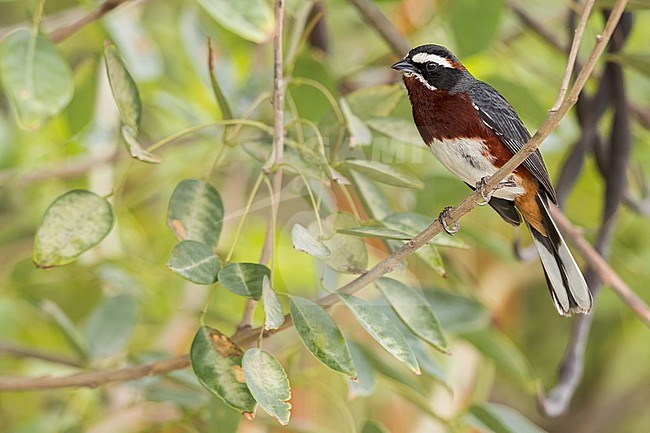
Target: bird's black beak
{"type": "Point", "coordinates": [403, 66]}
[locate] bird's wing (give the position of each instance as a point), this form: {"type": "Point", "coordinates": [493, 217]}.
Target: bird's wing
{"type": "Point", "coordinates": [499, 116]}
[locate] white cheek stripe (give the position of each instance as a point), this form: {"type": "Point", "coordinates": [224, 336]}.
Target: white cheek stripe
{"type": "Point", "coordinates": [426, 57]}
{"type": "Point", "coordinates": [421, 80]}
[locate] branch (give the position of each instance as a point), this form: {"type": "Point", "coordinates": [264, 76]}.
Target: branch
{"type": "Point", "coordinates": [278, 154]}
{"type": "Point", "coordinates": [245, 337]}
{"type": "Point", "coordinates": [600, 266]}
{"type": "Point", "coordinates": [63, 33]}
{"type": "Point", "coordinates": [373, 16]}
{"type": "Point", "coordinates": [573, 53]}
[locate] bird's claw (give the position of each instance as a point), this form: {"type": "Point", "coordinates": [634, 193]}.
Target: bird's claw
{"type": "Point", "coordinates": [442, 218]}
{"type": "Point", "coordinates": [486, 196]}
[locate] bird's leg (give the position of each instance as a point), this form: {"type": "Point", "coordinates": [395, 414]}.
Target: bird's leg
{"type": "Point", "coordinates": [509, 182]}
{"type": "Point", "coordinates": [442, 218]}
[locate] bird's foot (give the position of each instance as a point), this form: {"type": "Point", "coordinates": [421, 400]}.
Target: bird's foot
{"type": "Point", "coordinates": [443, 217]}
{"type": "Point", "coordinates": [486, 196]}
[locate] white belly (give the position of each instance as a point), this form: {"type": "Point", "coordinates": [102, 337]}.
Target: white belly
{"type": "Point", "coordinates": [464, 158]}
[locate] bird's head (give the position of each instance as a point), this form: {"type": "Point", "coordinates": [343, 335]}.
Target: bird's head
{"type": "Point", "coordinates": [432, 65]}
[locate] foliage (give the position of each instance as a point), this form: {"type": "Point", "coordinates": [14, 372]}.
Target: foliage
{"type": "Point", "coordinates": [458, 332]}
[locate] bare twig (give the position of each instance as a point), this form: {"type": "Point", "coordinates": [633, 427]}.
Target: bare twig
{"type": "Point", "coordinates": [278, 153]}
{"type": "Point", "coordinates": [372, 16]}
{"type": "Point", "coordinates": [247, 336]}
{"type": "Point", "coordinates": [573, 53]}
{"type": "Point", "coordinates": [24, 352]}
{"type": "Point", "coordinates": [63, 33]}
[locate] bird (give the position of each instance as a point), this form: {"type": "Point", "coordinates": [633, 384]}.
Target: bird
{"type": "Point", "coordinates": [473, 131]}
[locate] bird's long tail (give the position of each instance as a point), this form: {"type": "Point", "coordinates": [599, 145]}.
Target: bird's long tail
{"type": "Point", "coordinates": [565, 281]}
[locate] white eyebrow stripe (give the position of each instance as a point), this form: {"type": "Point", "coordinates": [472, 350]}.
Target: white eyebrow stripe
{"type": "Point", "coordinates": [426, 57]}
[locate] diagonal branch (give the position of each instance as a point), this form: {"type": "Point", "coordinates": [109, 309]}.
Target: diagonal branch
{"type": "Point", "coordinates": [248, 336]}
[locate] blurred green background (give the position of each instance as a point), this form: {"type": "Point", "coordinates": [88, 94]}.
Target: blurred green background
{"type": "Point", "coordinates": [506, 338]}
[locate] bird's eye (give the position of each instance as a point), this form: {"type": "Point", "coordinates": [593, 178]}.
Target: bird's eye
{"type": "Point", "coordinates": [431, 66]}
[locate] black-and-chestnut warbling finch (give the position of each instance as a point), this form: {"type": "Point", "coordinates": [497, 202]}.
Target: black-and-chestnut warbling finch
{"type": "Point", "coordinates": [472, 130]}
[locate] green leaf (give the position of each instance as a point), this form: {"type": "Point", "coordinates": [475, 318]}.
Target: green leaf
{"type": "Point", "coordinates": [505, 354]}
{"type": "Point", "coordinates": [195, 262]}
{"type": "Point", "coordinates": [135, 148]}
{"type": "Point", "coordinates": [402, 130]}
{"type": "Point", "coordinates": [37, 80]}
{"type": "Point", "coordinates": [268, 382]}
{"type": "Point", "coordinates": [414, 310]}
{"type": "Point", "coordinates": [305, 242]}
{"type": "Point", "coordinates": [110, 326]}
{"type": "Point", "coordinates": [365, 383]}
{"type": "Point", "coordinates": [321, 336]}
{"type": "Point", "coordinates": [74, 223]}
{"type": "Point", "coordinates": [360, 135]}
{"type": "Point", "coordinates": [216, 361]}
{"type": "Point", "coordinates": [125, 92]}
{"type": "Point", "coordinates": [224, 106]}
{"type": "Point", "coordinates": [481, 18]}
{"type": "Point", "coordinates": [431, 256]}
{"type": "Point", "coordinates": [244, 279]}
{"type": "Point", "coordinates": [273, 314]}
{"type": "Point", "coordinates": [412, 224]}
{"type": "Point", "coordinates": [458, 314]}
{"type": "Point", "coordinates": [348, 253]}
{"type": "Point", "coordinates": [376, 232]}
{"type": "Point", "coordinates": [501, 419]}
{"type": "Point", "coordinates": [375, 101]}
{"type": "Point", "coordinates": [196, 212]}
{"type": "Point", "coordinates": [375, 201]}
{"type": "Point", "coordinates": [382, 329]}
{"type": "Point", "coordinates": [383, 173]}
{"type": "Point", "coordinates": [250, 19]}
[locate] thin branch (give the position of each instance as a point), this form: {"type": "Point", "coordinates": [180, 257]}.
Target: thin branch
{"type": "Point", "coordinates": [278, 153]}
{"type": "Point", "coordinates": [63, 33]}
{"type": "Point", "coordinates": [573, 53]}
{"type": "Point", "coordinates": [24, 352]}
{"type": "Point", "coordinates": [245, 337]}
{"type": "Point", "coordinates": [373, 16]}
{"type": "Point", "coordinates": [600, 266]}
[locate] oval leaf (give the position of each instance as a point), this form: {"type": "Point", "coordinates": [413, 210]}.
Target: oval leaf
{"type": "Point", "coordinates": [36, 78]}
{"type": "Point", "coordinates": [414, 310]}
{"type": "Point", "coordinates": [502, 419]}
{"type": "Point", "coordinates": [216, 361]}
{"type": "Point", "coordinates": [382, 329]}
{"type": "Point", "coordinates": [273, 314]}
{"type": "Point", "coordinates": [305, 242]}
{"type": "Point", "coordinates": [374, 199]}
{"type": "Point", "coordinates": [321, 336]}
{"type": "Point", "coordinates": [250, 19]}
{"type": "Point", "coordinates": [383, 173]}
{"type": "Point", "coordinates": [244, 279]}
{"type": "Point", "coordinates": [268, 382]}
{"type": "Point", "coordinates": [125, 92]}
{"type": "Point", "coordinates": [74, 223]}
{"type": "Point", "coordinates": [400, 129]}
{"type": "Point", "coordinates": [110, 326]}
{"type": "Point", "coordinates": [349, 253]}
{"type": "Point", "coordinates": [196, 212]}
{"type": "Point", "coordinates": [195, 262]}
